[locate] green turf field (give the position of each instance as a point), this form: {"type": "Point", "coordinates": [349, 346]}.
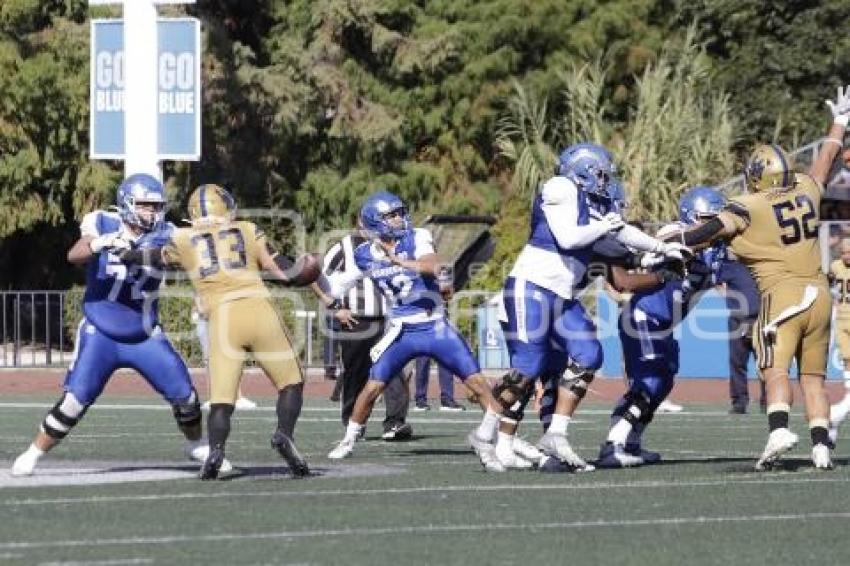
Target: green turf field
{"type": "Point", "coordinates": [421, 502]}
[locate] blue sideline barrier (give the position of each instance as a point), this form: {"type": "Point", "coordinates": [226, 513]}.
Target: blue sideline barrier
{"type": "Point", "coordinates": [702, 339]}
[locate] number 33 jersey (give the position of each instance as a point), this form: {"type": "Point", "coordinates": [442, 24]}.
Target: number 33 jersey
{"type": "Point", "coordinates": [221, 260]}
{"type": "Point", "coordinates": [778, 233]}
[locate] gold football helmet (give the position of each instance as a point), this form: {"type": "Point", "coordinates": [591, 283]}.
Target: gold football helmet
{"type": "Point", "coordinates": [768, 167]}
{"type": "Point", "coordinates": [211, 203]}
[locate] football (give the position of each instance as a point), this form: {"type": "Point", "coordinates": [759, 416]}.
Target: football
{"type": "Point", "coordinates": [303, 270]}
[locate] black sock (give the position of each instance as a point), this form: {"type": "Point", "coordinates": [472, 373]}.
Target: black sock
{"type": "Point", "coordinates": [777, 419]}
{"type": "Point", "coordinates": [218, 424]}
{"type": "Point", "coordinates": [289, 401]}
{"type": "Point", "coordinates": [819, 435]}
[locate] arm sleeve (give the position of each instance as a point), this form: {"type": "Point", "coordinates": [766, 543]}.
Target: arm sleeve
{"type": "Point", "coordinates": [634, 238]}
{"type": "Point", "coordinates": [148, 257]}
{"type": "Point", "coordinates": [735, 213]}
{"type": "Point", "coordinates": [703, 233]}
{"type": "Point", "coordinates": [423, 243]}
{"type": "Point", "coordinates": [560, 206]}
{"type": "Point", "coordinates": [609, 249]}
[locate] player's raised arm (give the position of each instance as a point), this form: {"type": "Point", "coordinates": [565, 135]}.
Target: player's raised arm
{"type": "Point", "coordinates": [559, 203]}
{"type": "Point", "coordinates": [834, 142]}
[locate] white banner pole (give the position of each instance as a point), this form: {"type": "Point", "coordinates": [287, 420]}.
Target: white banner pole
{"type": "Point", "coordinates": [140, 110]}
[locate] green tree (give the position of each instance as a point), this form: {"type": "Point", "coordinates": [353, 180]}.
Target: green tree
{"type": "Point", "coordinates": [780, 59]}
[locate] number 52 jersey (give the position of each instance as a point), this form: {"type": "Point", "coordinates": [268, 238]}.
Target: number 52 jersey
{"type": "Point", "coordinates": [221, 260]}
{"type": "Point", "coordinates": [778, 233]}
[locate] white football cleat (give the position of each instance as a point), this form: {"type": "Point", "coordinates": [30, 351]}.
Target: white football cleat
{"type": "Point", "coordinates": [489, 460]}
{"type": "Point", "coordinates": [528, 451]}
{"type": "Point", "coordinates": [245, 404]}
{"type": "Point", "coordinates": [668, 407]}
{"type": "Point", "coordinates": [821, 457]}
{"type": "Point", "coordinates": [477, 443]}
{"type": "Point", "coordinates": [837, 414]}
{"type": "Point", "coordinates": [341, 450]}
{"type": "Point", "coordinates": [24, 464]}
{"type": "Point", "coordinates": [509, 459]}
{"type": "Point", "coordinates": [558, 446]}
{"type": "Point", "coordinates": [779, 442]}
{"type": "Point", "coordinates": [199, 451]}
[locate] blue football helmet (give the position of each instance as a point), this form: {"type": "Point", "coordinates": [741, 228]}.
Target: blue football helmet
{"type": "Point", "coordinates": [590, 166]}
{"type": "Point", "coordinates": [377, 211]}
{"type": "Point", "coordinates": [137, 189]}
{"type": "Point", "coordinates": [618, 197]}
{"type": "Point", "coordinates": [700, 202]}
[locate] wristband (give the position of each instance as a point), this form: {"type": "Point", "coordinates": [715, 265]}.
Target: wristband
{"type": "Point", "coordinates": [334, 305]}
{"type": "Point", "coordinates": [842, 119]}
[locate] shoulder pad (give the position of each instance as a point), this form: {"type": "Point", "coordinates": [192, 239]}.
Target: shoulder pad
{"type": "Point", "coordinates": [558, 190]}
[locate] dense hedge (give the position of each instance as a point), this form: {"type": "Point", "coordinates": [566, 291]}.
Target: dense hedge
{"type": "Point", "coordinates": [175, 308]}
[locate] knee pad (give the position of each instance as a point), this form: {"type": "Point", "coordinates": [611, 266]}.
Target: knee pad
{"type": "Point", "coordinates": [513, 393]}
{"type": "Point", "coordinates": [187, 413]}
{"type": "Point", "coordinates": [64, 415]}
{"type": "Point", "coordinates": [576, 379]}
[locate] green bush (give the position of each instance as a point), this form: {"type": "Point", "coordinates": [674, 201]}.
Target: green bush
{"type": "Point", "coordinates": [175, 316]}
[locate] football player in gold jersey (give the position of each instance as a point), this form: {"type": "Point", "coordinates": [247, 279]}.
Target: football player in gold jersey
{"type": "Point", "coordinates": [224, 259]}
{"type": "Point", "coordinates": [774, 231]}
{"type": "Point", "coordinates": [839, 275]}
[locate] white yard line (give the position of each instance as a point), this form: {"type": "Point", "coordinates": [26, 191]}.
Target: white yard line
{"type": "Point", "coordinates": [113, 562]}
{"type": "Point", "coordinates": [661, 484]}
{"type": "Point", "coordinates": [417, 529]}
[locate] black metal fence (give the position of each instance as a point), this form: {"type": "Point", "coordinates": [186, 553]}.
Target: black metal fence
{"type": "Point", "coordinates": [33, 329]}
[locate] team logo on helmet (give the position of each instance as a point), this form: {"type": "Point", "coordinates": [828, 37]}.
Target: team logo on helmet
{"type": "Point", "coordinates": [141, 201]}
{"type": "Point", "coordinates": [378, 214]}
{"type": "Point", "coordinates": [768, 167]}
{"type": "Point", "coordinates": [699, 203]}
{"type": "Point", "coordinates": [591, 167]}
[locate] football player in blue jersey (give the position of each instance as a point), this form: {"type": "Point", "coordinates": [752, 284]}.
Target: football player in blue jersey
{"type": "Point", "coordinates": [573, 210]}
{"type": "Point", "coordinates": [647, 322]}
{"type": "Point", "coordinates": [120, 327]}
{"type": "Point", "coordinates": [401, 261]}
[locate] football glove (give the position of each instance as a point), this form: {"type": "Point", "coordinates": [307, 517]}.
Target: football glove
{"type": "Point", "coordinates": [840, 107]}
{"type": "Point", "coordinates": [676, 251]}
{"type": "Point", "coordinates": [612, 222]}
{"type": "Point", "coordinates": [112, 242]}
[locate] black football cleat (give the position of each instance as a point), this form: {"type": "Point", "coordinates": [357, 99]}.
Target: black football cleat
{"type": "Point", "coordinates": [212, 465]}
{"type": "Point", "coordinates": [287, 450]}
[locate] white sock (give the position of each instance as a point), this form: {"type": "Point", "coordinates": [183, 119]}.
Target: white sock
{"type": "Point", "coordinates": [504, 441]}
{"type": "Point", "coordinates": [619, 433]}
{"type": "Point", "coordinates": [559, 424]}
{"type": "Point", "coordinates": [352, 431]}
{"type": "Point", "coordinates": [487, 429]}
